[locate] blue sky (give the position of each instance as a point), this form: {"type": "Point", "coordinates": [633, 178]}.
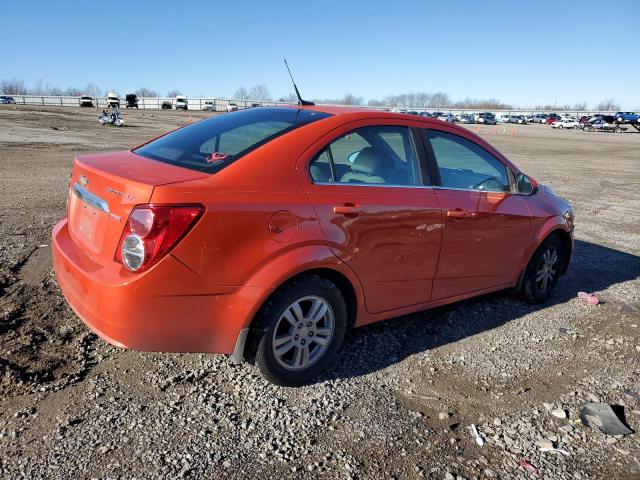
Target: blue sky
{"type": "Point", "coordinates": [520, 52]}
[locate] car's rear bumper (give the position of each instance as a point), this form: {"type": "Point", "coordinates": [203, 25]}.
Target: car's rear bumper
{"type": "Point", "coordinates": [167, 308]}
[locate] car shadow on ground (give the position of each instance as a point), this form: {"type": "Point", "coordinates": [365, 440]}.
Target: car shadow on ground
{"type": "Point", "coordinates": [374, 347]}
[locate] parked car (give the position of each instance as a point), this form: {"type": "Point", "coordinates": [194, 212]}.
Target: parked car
{"type": "Point", "coordinates": [208, 106]}
{"type": "Point", "coordinates": [86, 101]}
{"type": "Point", "coordinates": [6, 100]}
{"type": "Point", "coordinates": [412, 112]}
{"type": "Point", "coordinates": [518, 119]}
{"type": "Point", "coordinates": [485, 117]}
{"type": "Point", "coordinates": [166, 105]}
{"type": "Point", "coordinates": [467, 118]}
{"type": "Point", "coordinates": [113, 100]}
{"type": "Point", "coordinates": [181, 102]}
{"type": "Point", "coordinates": [490, 118]}
{"type": "Point", "coordinates": [552, 118]}
{"type": "Point", "coordinates": [529, 118]}
{"type": "Point", "coordinates": [539, 118]}
{"type": "Point", "coordinates": [132, 100]}
{"type": "Point", "coordinates": [502, 117]}
{"type": "Point", "coordinates": [585, 118]}
{"type": "Point", "coordinates": [566, 123]}
{"type": "Point", "coordinates": [151, 255]}
{"type": "Point", "coordinates": [447, 117]}
{"type": "Point", "coordinates": [627, 117]}
{"type": "Point", "coordinates": [231, 107]}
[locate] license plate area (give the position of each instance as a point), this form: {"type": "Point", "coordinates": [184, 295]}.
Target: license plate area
{"type": "Point", "coordinates": [87, 222]}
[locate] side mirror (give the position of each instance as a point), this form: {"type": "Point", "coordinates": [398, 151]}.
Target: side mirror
{"type": "Point", "coordinates": [526, 185]}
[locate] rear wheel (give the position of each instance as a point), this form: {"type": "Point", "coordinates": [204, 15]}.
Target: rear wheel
{"type": "Point", "coordinates": [543, 271]}
{"type": "Point", "coordinates": [299, 331]}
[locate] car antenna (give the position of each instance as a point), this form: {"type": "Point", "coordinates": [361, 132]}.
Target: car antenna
{"type": "Point", "coordinates": [300, 100]}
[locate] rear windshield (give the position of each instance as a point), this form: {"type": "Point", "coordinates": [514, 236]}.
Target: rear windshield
{"type": "Point", "coordinates": [212, 144]}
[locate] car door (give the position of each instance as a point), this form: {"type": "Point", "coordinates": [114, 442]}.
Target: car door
{"type": "Point", "coordinates": [378, 212]}
{"type": "Point", "coordinates": [486, 225]}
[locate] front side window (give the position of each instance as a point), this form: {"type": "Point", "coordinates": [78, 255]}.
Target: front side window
{"type": "Point", "coordinates": [383, 155]}
{"type": "Point", "coordinates": [462, 164]}
{"type": "Point", "coordinates": [212, 144]}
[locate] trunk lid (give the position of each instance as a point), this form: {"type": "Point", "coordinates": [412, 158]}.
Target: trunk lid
{"type": "Point", "coordinates": [104, 187]}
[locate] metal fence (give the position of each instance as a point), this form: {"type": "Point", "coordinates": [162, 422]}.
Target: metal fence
{"type": "Point", "coordinates": [220, 105]}
{"type": "Point", "coordinates": [215, 104]}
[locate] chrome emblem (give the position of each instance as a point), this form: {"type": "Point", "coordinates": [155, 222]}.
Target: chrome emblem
{"type": "Point", "coordinates": [84, 181]}
{"type": "Point", "coordinates": [120, 194]}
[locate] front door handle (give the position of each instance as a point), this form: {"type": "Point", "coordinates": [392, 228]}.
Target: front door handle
{"type": "Point", "coordinates": [347, 209]}
{"type": "Point", "coordinates": [457, 213]}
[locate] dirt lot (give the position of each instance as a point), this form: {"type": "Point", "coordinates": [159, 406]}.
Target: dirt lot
{"type": "Point", "coordinates": [398, 401]}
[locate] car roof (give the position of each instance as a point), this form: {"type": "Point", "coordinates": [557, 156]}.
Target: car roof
{"type": "Point", "coordinates": [360, 113]}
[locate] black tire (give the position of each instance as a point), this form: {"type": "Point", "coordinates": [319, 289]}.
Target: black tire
{"type": "Point", "coordinates": [533, 289]}
{"type": "Point", "coordinates": [268, 319]}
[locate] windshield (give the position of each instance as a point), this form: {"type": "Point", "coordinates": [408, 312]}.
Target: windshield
{"type": "Point", "coordinates": [212, 144]}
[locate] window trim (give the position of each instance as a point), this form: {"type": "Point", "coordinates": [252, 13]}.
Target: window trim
{"type": "Point", "coordinates": [415, 143]}
{"type": "Point", "coordinates": [433, 163]}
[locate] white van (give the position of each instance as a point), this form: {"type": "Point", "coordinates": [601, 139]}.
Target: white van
{"type": "Point", "coordinates": [502, 117]}
{"type": "Point", "coordinates": [182, 102]}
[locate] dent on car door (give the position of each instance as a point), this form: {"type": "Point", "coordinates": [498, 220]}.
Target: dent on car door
{"type": "Point", "coordinates": [377, 214]}
{"type": "Point", "coordinates": [486, 226]}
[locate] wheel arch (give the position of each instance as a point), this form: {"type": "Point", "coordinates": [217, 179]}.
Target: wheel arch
{"type": "Point", "coordinates": [330, 268]}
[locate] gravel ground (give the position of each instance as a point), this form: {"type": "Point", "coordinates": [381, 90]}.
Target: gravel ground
{"type": "Point", "coordinates": [398, 401]}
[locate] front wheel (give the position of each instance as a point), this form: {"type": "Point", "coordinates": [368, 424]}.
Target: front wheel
{"type": "Point", "coordinates": [300, 330]}
{"type": "Point", "coordinates": [543, 271]}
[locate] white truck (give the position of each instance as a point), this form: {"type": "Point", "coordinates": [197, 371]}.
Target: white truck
{"type": "Point", "coordinates": [113, 100]}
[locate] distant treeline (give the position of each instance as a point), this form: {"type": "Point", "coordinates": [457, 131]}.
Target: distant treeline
{"type": "Point", "coordinates": [412, 100]}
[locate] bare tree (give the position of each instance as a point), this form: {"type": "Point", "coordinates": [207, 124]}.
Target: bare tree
{"type": "Point", "coordinates": [350, 99]}
{"type": "Point", "coordinates": [259, 93]}
{"type": "Point", "coordinates": [608, 105]}
{"type": "Point", "coordinates": [580, 106]}
{"type": "Point", "coordinates": [440, 99]}
{"type": "Point", "coordinates": [146, 92]}
{"type": "Point", "coordinates": [91, 89]}
{"type": "Point", "coordinates": [290, 98]}
{"type": "Point", "coordinates": [73, 91]}
{"type": "Point", "coordinates": [173, 93]}
{"type": "Point", "coordinates": [14, 86]}
{"type": "Point", "coordinates": [375, 103]}
{"type": "Point", "coordinates": [53, 90]}
{"type": "Point", "coordinates": [241, 94]}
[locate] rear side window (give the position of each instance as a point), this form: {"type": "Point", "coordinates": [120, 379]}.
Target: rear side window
{"type": "Point", "coordinates": [369, 155]}
{"type": "Point", "coordinates": [464, 165]}
{"type": "Point", "coordinates": [212, 144]}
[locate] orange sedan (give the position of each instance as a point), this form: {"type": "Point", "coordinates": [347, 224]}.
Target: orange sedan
{"type": "Point", "coordinates": [267, 233]}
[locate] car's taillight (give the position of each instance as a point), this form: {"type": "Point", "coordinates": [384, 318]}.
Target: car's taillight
{"type": "Point", "coordinates": [152, 231]}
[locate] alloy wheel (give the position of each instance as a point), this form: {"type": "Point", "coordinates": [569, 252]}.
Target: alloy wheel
{"type": "Point", "coordinates": [547, 270]}
{"type": "Point", "coordinates": [303, 333]}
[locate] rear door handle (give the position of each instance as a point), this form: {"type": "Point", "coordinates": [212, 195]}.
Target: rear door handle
{"type": "Point", "coordinates": [347, 209]}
